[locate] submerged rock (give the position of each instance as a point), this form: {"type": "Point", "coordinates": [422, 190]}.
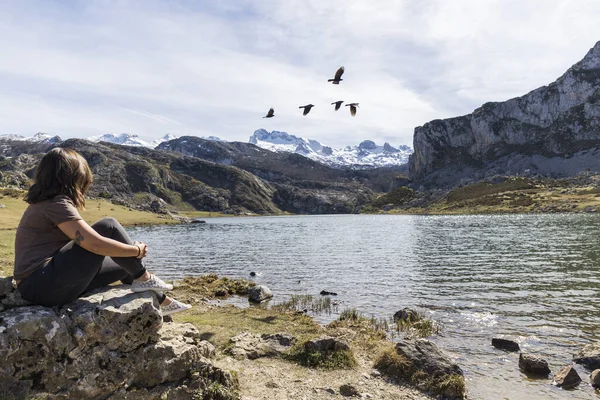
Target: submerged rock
{"type": "Point", "coordinates": [327, 293]}
{"type": "Point", "coordinates": [589, 356]}
{"type": "Point", "coordinates": [566, 378]}
{"type": "Point", "coordinates": [533, 365]}
{"type": "Point", "coordinates": [259, 293]}
{"type": "Point", "coordinates": [505, 344]}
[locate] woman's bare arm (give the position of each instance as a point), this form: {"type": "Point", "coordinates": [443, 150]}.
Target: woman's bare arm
{"type": "Point", "coordinates": [86, 237]}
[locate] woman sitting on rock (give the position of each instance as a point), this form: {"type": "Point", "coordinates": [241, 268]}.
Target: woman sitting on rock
{"type": "Point", "coordinates": [58, 256]}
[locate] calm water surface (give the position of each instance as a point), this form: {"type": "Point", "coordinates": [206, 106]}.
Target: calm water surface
{"type": "Point", "coordinates": [532, 277]}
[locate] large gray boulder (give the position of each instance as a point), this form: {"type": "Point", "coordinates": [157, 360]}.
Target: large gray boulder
{"type": "Point", "coordinates": [589, 356]}
{"type": "Point", "coordinates": [425, 356]}
{"type": "Point", "coordinates": [259, 293]}
{"type": "Point", "coordinates": [103, 345]}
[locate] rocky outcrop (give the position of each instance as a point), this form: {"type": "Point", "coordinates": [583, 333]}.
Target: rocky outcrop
{"type": "Point", "coordinates": [111, 343]}
{"type": "Point", "coordinates": [553, 122]}
{"type": "Point", "coordinates": [589, 356]}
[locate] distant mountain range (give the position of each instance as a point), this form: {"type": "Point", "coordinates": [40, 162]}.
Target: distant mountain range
{"type": "Point", "coordinates": [367, 154]}
{"type": "Point", "coordinates": [39, 137]}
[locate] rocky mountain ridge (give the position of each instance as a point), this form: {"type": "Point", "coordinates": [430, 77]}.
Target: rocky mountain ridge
{"type": "Point", "coordinates": [362, 156]}
{"type": "Point", "coordinates": [552, 131]}
{"type": "Point", "coordinates": [207, 175]}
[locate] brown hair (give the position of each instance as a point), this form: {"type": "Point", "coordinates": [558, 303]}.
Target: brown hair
{"type": "Point", "coordinates": [61, 171]}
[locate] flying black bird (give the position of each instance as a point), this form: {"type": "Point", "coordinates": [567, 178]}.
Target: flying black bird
{"type": "Point", "coordinates": [353, 107]}
{"type": "Point", "coordinates": [338, 76]}
{"type": "Point", "coordinates": [338, 104]}
{"type": "Point", "coordinates": [270, 114]}
{"type": "Point", "coordinates": [306, 108]}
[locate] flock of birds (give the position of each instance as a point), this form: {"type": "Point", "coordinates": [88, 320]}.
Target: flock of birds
{"type": "Point", "coordinates": [336, 81]}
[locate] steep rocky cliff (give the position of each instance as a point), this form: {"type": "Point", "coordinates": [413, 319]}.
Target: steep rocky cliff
{"type": "Point", "coordinates": [553, 130]}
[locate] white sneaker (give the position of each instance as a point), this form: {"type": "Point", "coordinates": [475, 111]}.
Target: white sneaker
{"type": "Point", "coordinates": [154, 283]}
{"type": "Point", "coordinates": [175, 307]}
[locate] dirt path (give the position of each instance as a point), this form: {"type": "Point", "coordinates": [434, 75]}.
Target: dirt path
{"type": "Point", "coordinates": [276, 379]}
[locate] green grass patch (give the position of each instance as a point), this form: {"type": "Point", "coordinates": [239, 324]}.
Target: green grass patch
{"type": "Point", "coordinates": [329, 360]}
{"type": "Point", "coordinates": [219, 324]}
{"type": "Point", "coordinates": [308, 303]}
{"type": "Point", "coordinates": [418, 327]}
{"type": "Point", "coordinates": [482, 189]}
{"type": "Point", "coordinates": [394, 197]}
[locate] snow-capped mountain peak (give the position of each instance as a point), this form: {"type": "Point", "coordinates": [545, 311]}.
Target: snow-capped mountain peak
{"type": "Point", "coordinates": [39, 137]}
{"type": "Point", "coordinates": [126, 139]}
{"type": "Point", "coordinates": [166, 138]}
{"type": "Point", "coordinates": [364, 155]}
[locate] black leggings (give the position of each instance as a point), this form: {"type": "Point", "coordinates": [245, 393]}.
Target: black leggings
{"type": "Point", "coordinates": [74, 270]}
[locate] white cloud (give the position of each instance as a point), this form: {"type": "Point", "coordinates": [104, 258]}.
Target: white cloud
{"type": "Point", "coordinates": [214, 68]}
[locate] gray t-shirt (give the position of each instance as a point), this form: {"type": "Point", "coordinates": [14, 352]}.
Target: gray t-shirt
{"type": "Point", "coordinates": [38, 236]}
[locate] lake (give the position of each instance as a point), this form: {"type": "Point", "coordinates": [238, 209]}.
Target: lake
{"type": "Point", "coordinates": [535, 278]}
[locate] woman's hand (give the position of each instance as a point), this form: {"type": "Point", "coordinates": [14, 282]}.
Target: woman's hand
{"type": "Point", "coordinates": [143, 249]}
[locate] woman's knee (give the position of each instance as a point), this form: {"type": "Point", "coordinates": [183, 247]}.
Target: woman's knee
{"type": "Point", "coordinates": [105, 226]}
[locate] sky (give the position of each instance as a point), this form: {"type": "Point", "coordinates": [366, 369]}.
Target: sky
{"type": "Point", "coordinates": [150, 67]}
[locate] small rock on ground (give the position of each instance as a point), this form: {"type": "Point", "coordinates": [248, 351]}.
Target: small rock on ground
{"type": "Point", "coordinates": [347, 390]}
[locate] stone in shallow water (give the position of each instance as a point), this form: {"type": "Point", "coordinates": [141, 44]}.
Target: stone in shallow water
{"type": "Point", "coordinates": [505, 344]}
{"type": "Point", "coordinates": [533, 365]}
{"type": "Point", "coordinates": [589, 356]}
{"type": "Point", "coordinates": [567, 378]}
